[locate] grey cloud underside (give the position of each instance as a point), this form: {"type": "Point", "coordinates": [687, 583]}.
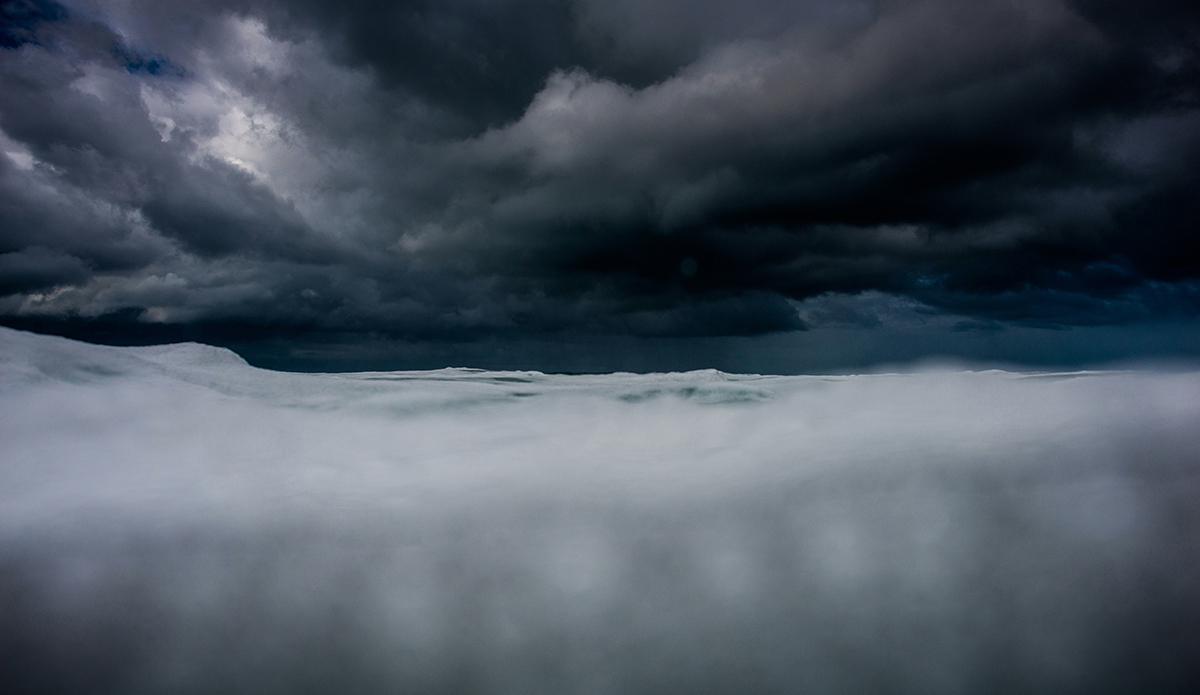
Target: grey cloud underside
{"type": "Point", "coordinates": [472, 168]}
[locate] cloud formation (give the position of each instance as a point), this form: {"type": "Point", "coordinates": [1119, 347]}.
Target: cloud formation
{"type": "Point", "coordinates": [459, 169]}
{"type": "Point", "coordinates": [173, 520]}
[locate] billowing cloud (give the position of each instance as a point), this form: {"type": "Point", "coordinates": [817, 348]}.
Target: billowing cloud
{"type": "Point", "coordinates": [461, 169]}
{"type": "Point", "coordinates": [173, 520]}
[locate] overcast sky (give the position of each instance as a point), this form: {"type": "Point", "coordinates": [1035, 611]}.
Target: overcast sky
{"type": "Point", "coordinates": [754, 185]}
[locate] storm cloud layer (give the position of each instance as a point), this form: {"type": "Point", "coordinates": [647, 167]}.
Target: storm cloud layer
{"type": "Point", "coordinates": [499, 170]}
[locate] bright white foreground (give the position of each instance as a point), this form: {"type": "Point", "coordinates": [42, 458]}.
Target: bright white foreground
{"type": "Point", "coordinates": [173, 520]}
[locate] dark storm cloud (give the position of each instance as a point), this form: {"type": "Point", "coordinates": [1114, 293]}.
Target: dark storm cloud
{"type": "Point", "coordinates": [38, 267]}
{"type": "Point", "coordinates": [98, 138]}
{"type": "Point", "coordinates": [467, 168]}
{"type": "Point", "coordinates": [949, 150]}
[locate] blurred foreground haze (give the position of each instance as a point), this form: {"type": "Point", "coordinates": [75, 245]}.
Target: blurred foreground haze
{"type": "Point", "coordinates": [173, 520]}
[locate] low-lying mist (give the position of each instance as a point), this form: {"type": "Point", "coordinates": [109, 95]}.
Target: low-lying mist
{"type": "Point", "coordinates": [175, 521]}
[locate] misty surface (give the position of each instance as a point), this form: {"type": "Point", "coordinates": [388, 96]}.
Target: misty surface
{"type": "Point", "coordinates": [173, 520]}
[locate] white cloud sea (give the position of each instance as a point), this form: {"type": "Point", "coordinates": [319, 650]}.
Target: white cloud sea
{"type": "Point", "coordinates": [174, 520]}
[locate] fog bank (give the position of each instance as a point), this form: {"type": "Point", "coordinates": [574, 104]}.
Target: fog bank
{"type": "Point", "coordinates": [174, 520]}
